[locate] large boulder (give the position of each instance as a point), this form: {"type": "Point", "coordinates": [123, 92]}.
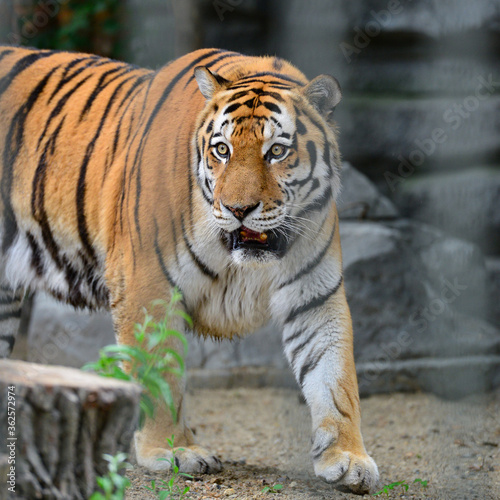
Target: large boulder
{"type": "Point", "coordinates": [360, 199]}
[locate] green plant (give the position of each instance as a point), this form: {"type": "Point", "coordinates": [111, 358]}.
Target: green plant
{"type": "Point", "coordinates": [149, 360]}
{"type": "Point", "coordinates": [403, 485]}
{"type": "Point", "coordinates": [272, 489]}
{"type": "Point", "coordinates": [171, 488]}
{"type": "Point", "coordinates": [77, 25]}
{"type": "Point", "coordinates": [113, 484]}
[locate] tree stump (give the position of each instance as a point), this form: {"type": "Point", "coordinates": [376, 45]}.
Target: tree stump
{"type": "Point", "coordinates": [55, 425]}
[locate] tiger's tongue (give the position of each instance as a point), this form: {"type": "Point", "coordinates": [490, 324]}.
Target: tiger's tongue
{"type": "Point", "coordinates": [247, 234]}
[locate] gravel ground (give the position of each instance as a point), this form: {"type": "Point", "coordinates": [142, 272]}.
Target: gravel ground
{"type": "Point", "coordinates": [263, 438]}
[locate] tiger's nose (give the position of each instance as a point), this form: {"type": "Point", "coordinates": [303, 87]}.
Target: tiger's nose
{"type": "Point", "coordinates": [241, 212]}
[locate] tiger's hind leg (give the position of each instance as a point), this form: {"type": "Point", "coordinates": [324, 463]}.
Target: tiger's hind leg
{"type": "Point", "coordinates": [11, 303]}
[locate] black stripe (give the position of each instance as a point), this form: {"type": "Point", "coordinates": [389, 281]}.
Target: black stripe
{"type": "Point", "coordinates": [298, 349]}
{"type": "Point", "coordinates": [159, 256]}
{"type": "Point", "coordinates": [314, 263]}
{"type": "Point", "coordinates": [272, 107]}
{"type": "Point", "coordinates": [140, 80]}
{"type": "Point", "coordinates": [212, 63]}
{"type": "Point", "coordinates": [5, 53]}
{"type": "Point", "coordinates": [279, 76]}
{"type": "Point", "coordinates": [129, 99]}
{"type": "Point", "coordinates": [311, 149]}
{"type": "Point", "coordinates": [277, 63]}
{"type": "Point", "coordinates": [318, 451]}
{"type": "Point", "coordinates": [100, 86]}
{"type": "Point", "coordinates": [139, 152]}
{"type": "Point", "coordinates": [66, 79]}
{"type": "Point", "coordinates": [13, 145]}
{"type": "Point", "coordinates": [10, 299]}
{"type": "Point", "coordinates": [314, 303]}
{"type": "Point", "coordinates": [38, 200]}
{"type": "Point", "coordinates": [10, 339]}
{"type": "Point", "coordinates": [311, 363]}
{"type": "Point", "coordinates": [20, 66]}
{"type": "Point", "coordinates": [124, 190]}
{"type": "Point", "coordinates": [272, 84]}
{"type": "Point", "coordinates": [318, 204]}
{"type": "Point", "coordinates": [59, 106]}
{"type": "Point", "coordinates": [233, 107]}
{"type": "Point", "coordinates": [301, 129]}
{"type": "Point", "coordinates": [81, 186]}
{"type": "Point", "coordinates": [342, 412]}
{"type": "Point", "coordinates": [11, 314]}
{"type": "Point", "coordinates": [201, 265]}
{"type": "Point", "coordinates": [36, 255]}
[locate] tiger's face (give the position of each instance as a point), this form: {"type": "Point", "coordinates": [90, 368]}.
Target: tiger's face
{"type": "Point", "coordinates": [267, 161]}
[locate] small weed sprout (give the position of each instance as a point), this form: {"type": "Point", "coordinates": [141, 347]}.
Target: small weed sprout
{"type": "Point", "coordinates": [113, 484]}
{"type": "Point", "coordinates": [170, 489]}
{"type": "Point", "coordinates": [403, 484]}
{"type": "Point", "coordinates": [149, 360]}
{"type": "Point", "coordinates": [272, 489]}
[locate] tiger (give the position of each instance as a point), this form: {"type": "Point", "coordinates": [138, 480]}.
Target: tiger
{"type": "Point", "coordinates": [215, 175]}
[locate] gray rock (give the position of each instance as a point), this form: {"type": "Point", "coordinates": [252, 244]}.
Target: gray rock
{"type": "Point", "coordinates": [60, 335]}
{"type": "Point", "coordinates": [413, 291]}
{"type": "Point", "coordinates": [360, 199]}
{"type": "Point", "coordinates": [466, 204]}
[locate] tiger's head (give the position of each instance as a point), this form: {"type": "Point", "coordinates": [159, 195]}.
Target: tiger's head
{"type": "Point", "coordinates": [267, 159]}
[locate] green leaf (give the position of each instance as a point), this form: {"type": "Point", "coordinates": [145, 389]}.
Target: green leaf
{"type": "Point", "coordinates": [97, 496]}
{"type": "Point", "coordinates": [186, 317]}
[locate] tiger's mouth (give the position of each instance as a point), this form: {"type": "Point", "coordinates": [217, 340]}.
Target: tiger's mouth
{"type": "Point", "coordinates": [244, 238]}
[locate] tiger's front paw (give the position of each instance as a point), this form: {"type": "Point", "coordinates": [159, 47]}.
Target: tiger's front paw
{"type": "Point", "coordinates": [355, 470]}
{"type": "Point", "coordinates": [189, 459]}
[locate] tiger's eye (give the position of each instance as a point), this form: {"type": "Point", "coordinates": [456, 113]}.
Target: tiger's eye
{"type": "Point", "coordinates": [277, 150]}
{"type": "Point", "coordinates": [222, 149]}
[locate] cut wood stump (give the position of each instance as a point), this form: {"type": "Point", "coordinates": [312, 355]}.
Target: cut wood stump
{"type": "Point", "coordinates": [61, 423]}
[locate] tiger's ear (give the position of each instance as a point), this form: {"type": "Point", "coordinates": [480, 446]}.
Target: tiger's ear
{"type": "Point", "coordinates": [209, 83]}
{"type": "Point", "coordinates": [324, 94]}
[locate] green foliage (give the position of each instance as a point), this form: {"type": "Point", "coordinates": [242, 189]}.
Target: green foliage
{"type": "Point", "coordinates": [170, 489]}
{"type": "Point", "coordinates": [272, 489]}
{"type": "Point", "coordinates": [113, 484]}
{"type": "Point", "coordinates": [404, 485]}
{"type": "Point", "coordinates": [77, 25]}
{"type": "Point", "coordinates": [150, 360]}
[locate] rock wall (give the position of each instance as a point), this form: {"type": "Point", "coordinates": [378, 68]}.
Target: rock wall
{"type": "Point", "coordinates": [420, 208]}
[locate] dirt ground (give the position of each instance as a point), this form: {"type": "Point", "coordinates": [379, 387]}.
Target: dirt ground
{"type": "Point", "coordinates": [263, 438]}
